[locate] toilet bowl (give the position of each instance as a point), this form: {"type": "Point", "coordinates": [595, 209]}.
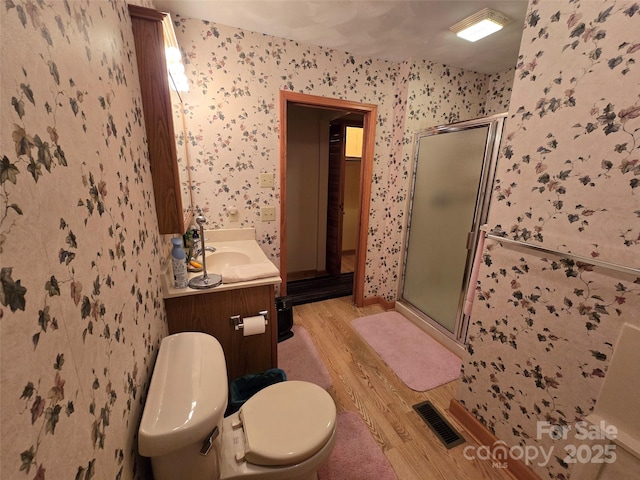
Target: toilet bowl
{"type": "Point", "coordinates": [285, 431]}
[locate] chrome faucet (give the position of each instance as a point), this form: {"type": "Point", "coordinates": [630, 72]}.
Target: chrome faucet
{"type": "Point", "coordinates": [198, 250]}
{"type": "Point", "coordinates": [205, 280]}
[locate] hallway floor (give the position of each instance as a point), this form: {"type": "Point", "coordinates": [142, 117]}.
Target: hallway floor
{"type": "Point", "coordinates": [320, 288]}
{"type": "Point", "coordinates": [363, 383]}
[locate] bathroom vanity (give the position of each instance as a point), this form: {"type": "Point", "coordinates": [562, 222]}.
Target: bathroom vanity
{"type": "Point", "coordinates": [213, 310]}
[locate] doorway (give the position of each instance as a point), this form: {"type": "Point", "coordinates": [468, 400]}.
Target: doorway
{"type": "Point", "coordinates": [324, 155]}
{"type": "Point", "coordinates": [321, 222]}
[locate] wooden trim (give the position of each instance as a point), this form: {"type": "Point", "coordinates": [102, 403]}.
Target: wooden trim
{"type": "Point", "coordinates": [336, 169]}
{"type": "Point", "coordinates": [366, 175]}
{"type": "Point", "coordinates": [484, 437]}
{"type": "Point", "coordinates": [273, 325]}
{"type": "Point", "coordinates": [145, 13]}
{"type": "Point", "coordinates": [283, 193]}
{"type": "Point", "coordinates": [370, 113]}
{"type": "Point", "coordinates": [317, 101]}
{"type": "Point", "coordinates": [148, 34]}
{"type": "Point", "coordinates": [378, 301]}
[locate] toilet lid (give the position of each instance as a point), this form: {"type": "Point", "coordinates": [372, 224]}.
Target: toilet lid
{"type": "Point", "coordinates": [287, 423]}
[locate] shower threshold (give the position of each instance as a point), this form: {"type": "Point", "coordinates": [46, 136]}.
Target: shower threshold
{"type": "Point", "coordinates": [422, 321]}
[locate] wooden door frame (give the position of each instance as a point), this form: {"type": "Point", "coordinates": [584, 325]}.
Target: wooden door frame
{"type": "Point", "coordinates": [370, 114]}
{"type": "Point", "coordinates": [335, 198]}
{"type": "Point", "coordinates": [344, 122]}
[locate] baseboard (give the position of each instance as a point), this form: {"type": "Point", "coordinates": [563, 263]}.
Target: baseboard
{"type": "Point", "coordinates": [484, 437]}
{"type": "Point", "coordinates": [380, 301]}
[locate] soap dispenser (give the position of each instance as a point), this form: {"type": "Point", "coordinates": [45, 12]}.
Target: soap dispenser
{"type": "Point", "coordinates": [178, 263]}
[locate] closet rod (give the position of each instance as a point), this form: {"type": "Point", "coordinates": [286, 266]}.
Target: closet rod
{"type": "Point", "coordinates": [578, 258]}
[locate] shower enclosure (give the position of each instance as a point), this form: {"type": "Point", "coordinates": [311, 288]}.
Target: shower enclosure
{"type": "Point", "coordinates": [454, 167]}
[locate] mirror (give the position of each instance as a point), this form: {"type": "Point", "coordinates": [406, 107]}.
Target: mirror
{"type": "Point", "coordinates": [182, 156]}
{"type": "Point", "coordinates": [178, 83]}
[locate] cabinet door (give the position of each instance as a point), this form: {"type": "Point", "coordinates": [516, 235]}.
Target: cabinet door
{"type": "Point", "coordinates": [211, 313]}
{"type": "Point", "coordinates": [148, 35]}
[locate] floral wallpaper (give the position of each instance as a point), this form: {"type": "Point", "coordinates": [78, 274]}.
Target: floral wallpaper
{"type": "Point", "coordinates": [498, 92]}
{"type": "Point", "coordinates": [81, 311]}
{"type": "Point", "coordinates": [556, 182]}
{"type": "Point", "coordinates": [232, 118]}
{"type": "Point", "coordinates": [80, 299]}
{"type": "Point", "coordinates": [543, 327]}
{"type": "Point", "coordinates": [436, 95]}
{"type": "Point", "coordinates": [232, 113]}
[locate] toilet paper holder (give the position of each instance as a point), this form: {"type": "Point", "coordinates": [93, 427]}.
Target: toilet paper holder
{"type": "Point", "coordinates": [239, 325]}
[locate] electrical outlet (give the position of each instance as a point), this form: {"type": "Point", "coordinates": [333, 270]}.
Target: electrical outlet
{"type": "Point", "coordinates": [268, 214]}
{"type": "Point", "coordinates": [267, 180]}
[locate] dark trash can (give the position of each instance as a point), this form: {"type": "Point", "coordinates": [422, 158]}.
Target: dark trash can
{"type": "Point", "coordinates": [243, 388]}
{"type": "Point", "coordinates": [284, 307]}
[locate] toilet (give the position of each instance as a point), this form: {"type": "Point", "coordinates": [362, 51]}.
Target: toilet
{"type": "Point", "coordinates": [285, 431]}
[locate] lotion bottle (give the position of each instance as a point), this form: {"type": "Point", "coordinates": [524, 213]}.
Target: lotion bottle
{"type": "Point", "coordinates": [178, 263]}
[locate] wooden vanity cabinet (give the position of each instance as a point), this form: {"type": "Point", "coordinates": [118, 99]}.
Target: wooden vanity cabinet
{"type": "Point", "coordinates": [211, 312]}
{"type": "Point", "coordinates": [148, 35]}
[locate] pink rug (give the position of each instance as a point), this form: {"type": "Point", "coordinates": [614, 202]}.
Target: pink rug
{"type": "Point", "coordinates": [300, 360]}
{"type": "Point", "coordinates": [421, 362]}
{"type": "Point", "coordinates": [356, 455]}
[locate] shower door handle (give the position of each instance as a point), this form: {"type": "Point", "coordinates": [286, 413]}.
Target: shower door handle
{"type": "Point", "coordinates": [469, 240]}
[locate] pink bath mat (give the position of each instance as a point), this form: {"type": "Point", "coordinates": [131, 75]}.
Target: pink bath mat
{"type": "Point", "coordinates": [356, 455]}
{"type": "Point", "coordinates": [300, 360]}
{"type": "Point", "coordinates": [420, 361]}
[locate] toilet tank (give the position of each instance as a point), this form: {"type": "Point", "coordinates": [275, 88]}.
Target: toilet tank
{"type": "Point", "coordinates": [188, 394]}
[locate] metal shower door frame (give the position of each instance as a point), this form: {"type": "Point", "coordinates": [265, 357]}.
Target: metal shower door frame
{"type": "Point", "coordinates": [495, 124]}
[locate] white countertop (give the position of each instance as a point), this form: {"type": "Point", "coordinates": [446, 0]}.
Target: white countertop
{"type": "Point", "coordinates": [241, 240]}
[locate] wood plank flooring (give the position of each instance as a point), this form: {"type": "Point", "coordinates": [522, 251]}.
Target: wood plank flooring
{"type": "Point", "coordinates": [363, 383]}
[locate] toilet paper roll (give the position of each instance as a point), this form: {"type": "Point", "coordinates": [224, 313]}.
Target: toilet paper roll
{"type": "Point", "coordinates": [253, 325]}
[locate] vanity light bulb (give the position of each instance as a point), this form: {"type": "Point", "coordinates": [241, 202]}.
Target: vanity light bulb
{"type": "Point", "coordinates": [182, 85]}
{"type": "Point", "coordinates": [173, 55]}
{"type": "Point", "coordinates": [176, 69]}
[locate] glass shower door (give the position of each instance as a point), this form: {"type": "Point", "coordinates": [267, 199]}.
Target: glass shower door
{"type": "Point", "coordinates": [449, 186]}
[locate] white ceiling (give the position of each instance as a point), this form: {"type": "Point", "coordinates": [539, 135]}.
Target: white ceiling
{"type": "Point", "coordinates": [394, 30]}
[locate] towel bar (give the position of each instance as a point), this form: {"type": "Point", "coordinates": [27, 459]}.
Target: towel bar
{"type": "Point", "coordinates": [579, 258]}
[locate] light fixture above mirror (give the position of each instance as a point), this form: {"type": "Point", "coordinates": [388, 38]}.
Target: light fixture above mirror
{"type": "Point", "coordinates": [480, 25]}
{"type": "Point", "coordinates": [175, 67]}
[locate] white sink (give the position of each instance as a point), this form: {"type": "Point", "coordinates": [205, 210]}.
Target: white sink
{"type": "Point", "coordinates": [218, 260]}
{"type": "Point", "coordinates": [237, 258]}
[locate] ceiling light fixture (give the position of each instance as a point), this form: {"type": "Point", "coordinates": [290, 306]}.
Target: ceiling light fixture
{"type": "Point", "coordinates": [480, 24]}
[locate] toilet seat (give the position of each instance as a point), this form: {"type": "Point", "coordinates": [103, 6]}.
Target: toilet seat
{"type": "Point", "coordinates": [287, 423]}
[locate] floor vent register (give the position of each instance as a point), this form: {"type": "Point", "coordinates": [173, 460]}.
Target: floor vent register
{"type": "Point", "coordinates": [438, 424]}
